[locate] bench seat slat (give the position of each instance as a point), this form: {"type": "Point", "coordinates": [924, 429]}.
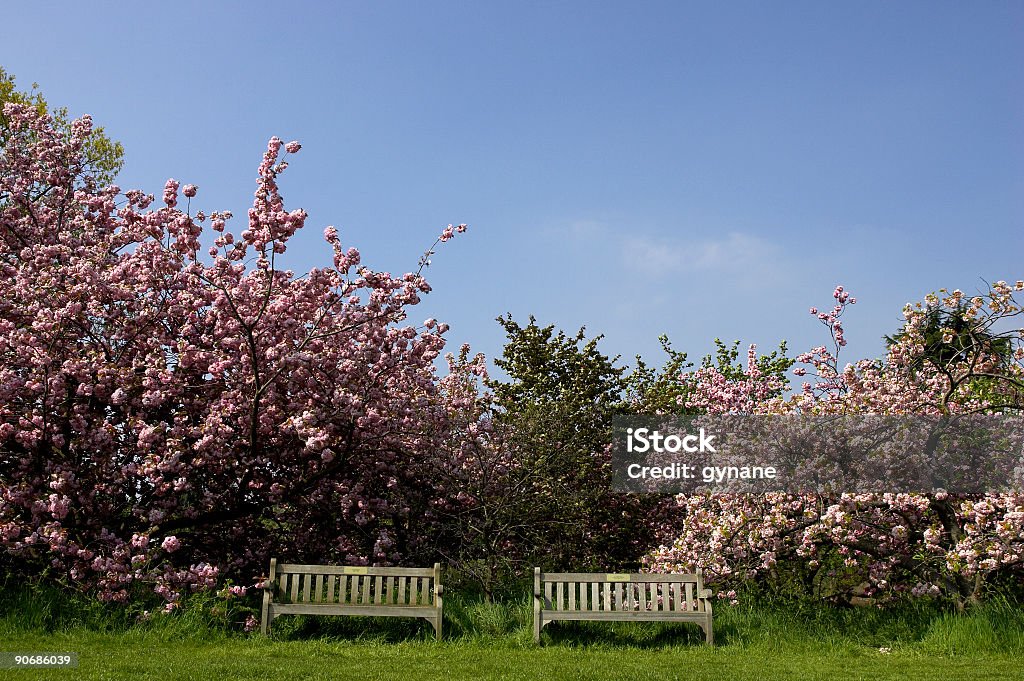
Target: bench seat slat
{"type": "Point", "coordinates": [369, 610]}
{"type": "Point", "coordinates": [552, 615]}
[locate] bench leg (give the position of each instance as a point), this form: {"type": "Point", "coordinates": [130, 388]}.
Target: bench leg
{"type": "Point", "coordinates": [709, 633]}
{"type": "Point", "coordinates": [537, 615]}
{"type": "Point", "coordinates": [537, 605]}
{"type": "Point", "coordinates": [435, 622]}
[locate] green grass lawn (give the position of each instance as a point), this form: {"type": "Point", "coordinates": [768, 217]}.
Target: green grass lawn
{"type": "Point", "coordinates": [495, 642]}
{"type": "Point", "coordinates": [131, 656]}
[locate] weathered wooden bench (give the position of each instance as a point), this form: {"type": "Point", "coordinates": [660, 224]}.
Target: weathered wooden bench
{"type": "Point", "coordinates": [621, 597]}
{"type": "Point", "coordinates": [295, 589]}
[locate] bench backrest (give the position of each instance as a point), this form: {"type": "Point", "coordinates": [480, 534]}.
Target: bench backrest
{"type": "Point", "coordinates": [348, 585]}
{"type": "Point", "coordinates": [612, 592]}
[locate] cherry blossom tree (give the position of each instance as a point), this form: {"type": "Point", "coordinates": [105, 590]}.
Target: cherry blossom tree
{"type": "Point", "coordinates": [175, 406]}
{"type": "Point", "coordinates": [929, 543]}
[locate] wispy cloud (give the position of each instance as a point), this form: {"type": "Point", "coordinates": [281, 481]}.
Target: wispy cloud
{"type": "Point", "coordinates": [736, 252]}
{"type": "Point", "coordinates": [586, 230]}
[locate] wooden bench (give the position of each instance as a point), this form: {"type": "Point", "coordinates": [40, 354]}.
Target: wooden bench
{"type": "Point", "coordinates": [295, 589]}
{"type": "Point", "coordinates": [621, 597]}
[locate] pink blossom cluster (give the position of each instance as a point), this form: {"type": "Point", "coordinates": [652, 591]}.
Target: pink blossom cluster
{"type": "Point", "coordinates": [711, 391]}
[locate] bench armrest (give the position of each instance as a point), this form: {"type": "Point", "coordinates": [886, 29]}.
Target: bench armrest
{"type": "Point", "coordinates": [706, 593]}
{"type": "Point", "coordinates": [439, 589]}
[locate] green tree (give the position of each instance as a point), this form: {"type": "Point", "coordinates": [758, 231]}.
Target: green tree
{"type": "Point", "coordinates": [557, 405]}
{"type": "Point", "coordinates": [104, 157]}
{"type": "Point", "coordinates": [534, 468]}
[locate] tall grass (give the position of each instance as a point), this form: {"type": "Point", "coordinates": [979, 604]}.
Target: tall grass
{"type": "Point", "coordinates": [769, 626]}
{"type": "Point", "coordinates": [995, 628]}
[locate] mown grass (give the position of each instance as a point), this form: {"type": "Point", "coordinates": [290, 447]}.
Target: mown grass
{"type": "Point", "coordinates": [761, 641]}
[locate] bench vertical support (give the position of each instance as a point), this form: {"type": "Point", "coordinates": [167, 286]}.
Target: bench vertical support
{"type": "Point", "coordinates": [705, 599]}
{"type": "Point", "coordinates": [537, 595]}
{"type": "Point", "coordinates": [438, 596]}
{"type": "Point", "coordinates": [265, 621]}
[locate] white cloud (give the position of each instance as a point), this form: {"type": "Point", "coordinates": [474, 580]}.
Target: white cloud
{"type": "Point", "coordinates": [737, 253]}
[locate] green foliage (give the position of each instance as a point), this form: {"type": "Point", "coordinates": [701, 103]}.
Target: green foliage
{"type": "Point", "coordinates": [557, 405]}
{"type": "Point", "coordinates": [657, 392]}
{"type": "Point", "coordinates": [105, 156]}
{"type": "Point", "coordinates": [968, 337]}
{"type": "Point", "coordinates": [727, 360]}
{"type": "Point", "coordinates": [548, 369]}
{"type": "Point", "coordinates": [543, 485]}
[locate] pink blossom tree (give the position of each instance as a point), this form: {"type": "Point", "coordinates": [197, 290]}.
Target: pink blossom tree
{"type": "Point", "coordinates": [955, 355]}
{"type": "Point", "coordinates": [175, 406]}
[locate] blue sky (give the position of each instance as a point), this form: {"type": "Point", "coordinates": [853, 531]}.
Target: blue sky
{"type": "Point", "coordinates": [697, 169]}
